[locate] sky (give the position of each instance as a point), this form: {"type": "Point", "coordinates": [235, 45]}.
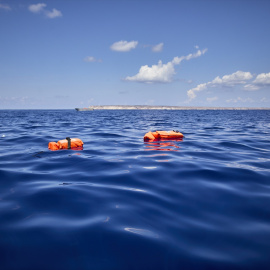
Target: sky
{"type": "Point", "coordinates": [62, 54]}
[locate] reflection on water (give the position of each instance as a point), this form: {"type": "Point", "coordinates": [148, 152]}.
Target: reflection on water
{"type": "Point", "coordinates": [142, 232]}
{"type": "Point", "coordinates": [163, 145]}
{"type": "Point", "coordinates": [122, 203]}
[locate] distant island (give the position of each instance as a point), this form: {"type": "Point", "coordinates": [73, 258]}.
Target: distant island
{"type": "Point", "coordinates": [146, 107]}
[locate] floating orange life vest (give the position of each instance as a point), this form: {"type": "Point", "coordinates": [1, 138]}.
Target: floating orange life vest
{"type": "Point", "coordinates": [67, 143]}
{"type": "Point", "coordinates": [165, 135]}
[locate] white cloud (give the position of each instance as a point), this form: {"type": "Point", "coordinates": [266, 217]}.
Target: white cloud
{"type": "Point", "coordinates": [91, 59]}
{"type": "Point", "coordinates": [158, 47]}
{"type": "Point", "coordinates": [191, 93]}
{"type": "Point", "coordinates": [155, 73]}
{"type": "Point", "coordinates": [124, 46]}
{"type": "Point", "coordinates": [239, 77]}
{"type": "Point", "coordinates": [5, 6]}
{"type": "Point", "coordinates": [40, 8]}
{"type": "Point", "coordinates": [54, 13]}
{"type": "Point", "coordinates": [177, 60]}
{"type": "Point", "coordinates": [251, 87]}
{"type": "Point", "coordinates": [262, 79]}
{"type": "Point", "coordinates": [36, 8]}
{"type": "Point", "coordinates": [162, 73]}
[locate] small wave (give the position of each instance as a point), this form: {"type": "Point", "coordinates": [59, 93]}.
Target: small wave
{"type": "Point", "coordinates": [122, 203]}
{"type": "Point", "coordinates": [142, 232]}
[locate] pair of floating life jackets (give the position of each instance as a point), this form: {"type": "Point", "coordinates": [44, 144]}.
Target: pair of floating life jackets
{"type": "Point", "coordinates": [163, 135]}
{"type": "Point", "coordinates": [68, 143]}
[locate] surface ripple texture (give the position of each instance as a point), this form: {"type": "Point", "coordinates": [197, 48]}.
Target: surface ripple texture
{"type": "Point", "coordinates": [122, 203]}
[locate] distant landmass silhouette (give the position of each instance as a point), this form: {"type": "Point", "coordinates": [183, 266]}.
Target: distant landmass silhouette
{"type": "Point", "coordinates": [146, 107]}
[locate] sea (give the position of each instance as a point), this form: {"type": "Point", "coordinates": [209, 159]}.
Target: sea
{"type": "Point", "coordinates": [121, 203]}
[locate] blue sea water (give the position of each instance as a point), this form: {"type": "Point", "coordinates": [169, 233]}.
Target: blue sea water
{"type": "Point", "coordinates": [122, 203]}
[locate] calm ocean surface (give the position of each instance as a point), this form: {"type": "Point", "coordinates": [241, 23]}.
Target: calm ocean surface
{"type": "Point", "coordinates": [122, 203]}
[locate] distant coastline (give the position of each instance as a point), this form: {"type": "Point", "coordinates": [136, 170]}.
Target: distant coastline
{"type": "Point", "coordinates": [146, 107]}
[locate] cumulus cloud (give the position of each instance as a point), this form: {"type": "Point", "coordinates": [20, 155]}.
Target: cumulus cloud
{"type": "Point", "coordinates": [237, 78]}
{"type": "Point", "coordinates": [53, 14]}
{"type": "Point", "coordinates": [177, 60]}
{"type": "Point", "coordinates": [262, 79]}
{"type": "Point", "coordinates": [124, 46]}
{"type": "Point", "coordinates": [155, 73]}
{"type": "Point", "coordinates": [191, 93]}
{"type": "Point", "coordinates": [91, 59]}
{"type": "Point", "coordinates": [5, 6]}
{"type": "Point", "coordinates": [158, 47]}
{"type": "Point", "coordinates": [161, 73]}
{"type": "Point", "coordinates": [36, 8]}
{"type": "Point", "coordinates": [40, 8]}
{"type": "Point", "coordinates": [251, 87]}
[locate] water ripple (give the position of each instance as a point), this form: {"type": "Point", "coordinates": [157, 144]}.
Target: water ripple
{"type": "Point", "coordinates": [122, 203]}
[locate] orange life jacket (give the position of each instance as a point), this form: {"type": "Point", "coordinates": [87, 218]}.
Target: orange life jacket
{"type": "Point", "coordinates": [165, 135]}
{"type": "Point", "coordinates": [67, 143]}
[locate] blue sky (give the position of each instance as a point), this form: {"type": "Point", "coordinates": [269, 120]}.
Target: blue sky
{"type": "Point", "coordinates": [66, 53]}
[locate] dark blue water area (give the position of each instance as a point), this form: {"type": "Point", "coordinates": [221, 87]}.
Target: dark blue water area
{"type": "Point", "coordinates": [122, 203]}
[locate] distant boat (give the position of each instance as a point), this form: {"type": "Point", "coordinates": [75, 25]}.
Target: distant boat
{"type": "Point", "coordinates": [84, 109]}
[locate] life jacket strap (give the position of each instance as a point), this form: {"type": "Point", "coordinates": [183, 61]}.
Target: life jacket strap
{"type": "Point", "coordinates": [69, 142]}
